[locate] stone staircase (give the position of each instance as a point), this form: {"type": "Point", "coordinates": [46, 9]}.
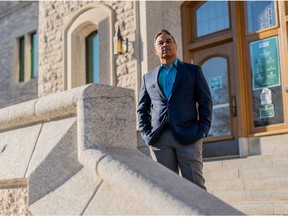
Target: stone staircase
{"type": "Point", "coordinates": [256, 185]}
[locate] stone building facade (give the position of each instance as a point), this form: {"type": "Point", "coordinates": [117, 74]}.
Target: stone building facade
{"type": "Point", "coordinates": [54, 22]}
{"type": "Point", "coordinates": [245, 124]}
{"type": "Point", "coordinates": [17, 19]}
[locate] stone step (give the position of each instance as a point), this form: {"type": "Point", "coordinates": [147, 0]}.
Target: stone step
{"type": "Point", "coordinates": [248, 184]}
{"type": "Point", "coordinates": [252, 195]}
{"type": "Point", "coordinates": [259, 161]}
{"type": "Point", "coordinates": [262, 207]}
{"type": "Point", "coordinates": [268, 183]}
{"type": "Point", "coordinates": [262, 173]}
{"type": "Point", "coordinates": [268, 145]}
{"type": "Point", "coordinates": [256, 173]}
{"type": "Point", "coordinates": [254, 185]}
{"type": "Point", "coordinates": [249, 171]}
{"type": "Point", "coordinates": [236, 184]}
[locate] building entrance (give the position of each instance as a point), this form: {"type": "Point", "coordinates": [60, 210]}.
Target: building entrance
{"type": "Point", "coordinates": [217, 65]}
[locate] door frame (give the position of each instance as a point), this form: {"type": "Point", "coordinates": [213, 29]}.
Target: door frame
{"type": "Point", "coordinates": [225, 51]}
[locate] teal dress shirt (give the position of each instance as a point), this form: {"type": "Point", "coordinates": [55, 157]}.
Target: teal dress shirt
{"type": "Point", "coordinates": [166, 77]}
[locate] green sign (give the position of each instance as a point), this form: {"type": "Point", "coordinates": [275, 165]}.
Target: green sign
{"type": "Point", "coordinates": [267, 111]}
{"type": "Point", "coordinates": [265, 63]}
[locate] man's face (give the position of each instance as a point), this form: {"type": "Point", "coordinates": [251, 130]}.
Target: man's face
{"type": "Point", "coordinates": [165, 47]}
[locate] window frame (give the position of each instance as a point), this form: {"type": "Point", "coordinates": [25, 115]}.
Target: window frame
{"type": "Point", "coordinates": [262, 30]}
{"type": "Point", "coordinates": [255, 36]}
{"type": "Point", "coordinates": [34, 55]}
{"type": "Point", "coordinates": [238, 35]}
{"type": "Point", "coordinates": [92, 17]}
{"type": "Point", "coordinates": [25, 32]}
{"type": "Point", "coordinates": [92, 58]}
{"type": "Point", "coordinates": [194, 12]}
{"type": "Point", "coordinates": [21, 59]}
{"type": "Point", "coordinates": [190, 39]}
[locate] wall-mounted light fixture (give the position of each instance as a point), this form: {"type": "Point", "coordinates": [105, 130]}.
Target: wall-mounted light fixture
{"type": "Point", "coordinates": [120, 45]}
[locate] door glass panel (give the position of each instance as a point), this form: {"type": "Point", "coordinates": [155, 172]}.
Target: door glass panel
{"type": "Point", "coordinates": [261, 15]}
{"type": "Point", "coordinates": [92, 58]}
{"type": "Point", "coordinates": [216, 73]}
{"type": "Point", "coordinates": [211, 17]}
{"type": "Point", "coordinates": [266, 82]}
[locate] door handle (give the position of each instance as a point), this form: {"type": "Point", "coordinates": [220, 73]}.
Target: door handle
{"type": "Point", "coordinates": [234, 108]}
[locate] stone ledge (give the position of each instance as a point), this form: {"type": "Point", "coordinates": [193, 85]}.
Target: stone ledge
{"type": "Point", "coordinates": [13, 183]}
{"type": "Point", "coordinates": [50, 107]}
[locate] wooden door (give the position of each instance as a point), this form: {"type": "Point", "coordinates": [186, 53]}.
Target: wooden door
{"type": "Point", "coordinates": [217, 66]}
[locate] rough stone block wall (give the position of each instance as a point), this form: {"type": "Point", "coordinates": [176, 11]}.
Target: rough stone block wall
{"type": "Point", "coordinates": [13, 201]}
{"type": "Point", "coordinates": [14, 15]}
{"type": "Point", "coordinates": [52, 18]}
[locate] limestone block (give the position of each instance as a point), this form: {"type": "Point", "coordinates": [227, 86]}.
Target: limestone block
{"type": "Point", "coordinates": [255, 208]}
{"type": "Point", "coordinates": [55, 159]}
{"type": "Point", "coordinates": [266, 183]}
{"type": "Point", "coordinates": [59, 105]}
{"type": "Point", "coordinates": [279, 160]}
{"type": "Point", "coordinates": [243, 163]}
{"type": "Point", "coordinates": [52, 133]}
{"type": "Point", "coordinates": [222, 176]}
{"type": "Point", "coordinates": [13, 201]}
{"type": "Point", "coordinates": [106, 117]}
{"type": "Point", "coordinates": [71, 198]}
{"type": "Point", "coordinates": [225, 185]}
{"type": "Point", "coordinates": [262, 145]}
{"type": "Point", "coordinates": [16, 147]}
{"type": "Point", "coordinates": [155, 186]}
{"type": "Point", "coordinates": [281, 208]}
{"type": "Point", "coordinates": [16, 115]}
{"type": "Point", "coordinates": [269, 172]}
{"type": "Point", "coordinates": [111, 200]}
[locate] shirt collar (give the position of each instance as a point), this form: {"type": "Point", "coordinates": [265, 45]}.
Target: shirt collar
{"type": "Point", "coordinates": [173, 64]}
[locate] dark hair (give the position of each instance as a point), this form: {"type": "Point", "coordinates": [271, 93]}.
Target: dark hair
{"type": "Point", "coordinates": [163, 31]}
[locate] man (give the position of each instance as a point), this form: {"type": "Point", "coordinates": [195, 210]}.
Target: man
{"type": "Point", "coordinates": [175, 111]}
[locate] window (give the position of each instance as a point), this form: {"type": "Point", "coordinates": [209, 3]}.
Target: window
{"type": "Point", "coordinates": [212, 17]}
{"type": "Point", "coordinates": [21, 59]}
{"type": "Point", "coordinates": [92, 58]}
{"type": "Point", "coordinates": [266, 98]}
{"type": "Point", "coordinates": [261, 15]}
{"type": "Point", "coordinates": [219, 86]}
{"type": "Point", "coordinates": [89, 33]}
{"type": "Point", "coordinates": [266, 82]}
{"type": "Point", "coordinates": [34, 56]}
{"type": "Point", "coordinates": [27, 57]}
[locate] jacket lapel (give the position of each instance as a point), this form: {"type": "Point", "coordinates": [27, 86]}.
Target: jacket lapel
{"type": "Point", "coordinates": [179, 74]}
{"type": "Point", "coordinates": [155, 79]}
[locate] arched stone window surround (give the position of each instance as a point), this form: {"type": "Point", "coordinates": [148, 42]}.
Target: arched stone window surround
{"type": "Point", "coordinates": [95, 16]}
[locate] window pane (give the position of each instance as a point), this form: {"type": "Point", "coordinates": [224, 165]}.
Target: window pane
{"type": "Point", "coordinates": [92, 58]}
{"type": "Point", "coordinates": [21, 59]}
{"type": "Point", "coordinates": [266, 82]}
{"type": "Point", "coordinates": [212, 17]}
{"type": "Point", "coordinates": [219, 87]}
{"type": "Point", "coordinates": [34, 57]}
{"type": "Point", "coordinates": [261, 15]}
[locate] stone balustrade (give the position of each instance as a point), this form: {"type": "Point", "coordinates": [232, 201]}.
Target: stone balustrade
{"type": "Point", "coordinates": [77, 150]}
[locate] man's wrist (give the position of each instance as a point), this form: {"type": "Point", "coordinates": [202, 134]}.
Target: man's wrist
{"type": "Point", "coordinates": [204, 135]}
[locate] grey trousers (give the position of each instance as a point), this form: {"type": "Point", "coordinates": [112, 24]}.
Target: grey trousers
{"type": "Point", "coordinates": [173, 155]}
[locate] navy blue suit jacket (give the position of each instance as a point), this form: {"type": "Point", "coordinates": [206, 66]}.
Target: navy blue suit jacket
{"type": "Point", "coordinates": [187, 123]}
